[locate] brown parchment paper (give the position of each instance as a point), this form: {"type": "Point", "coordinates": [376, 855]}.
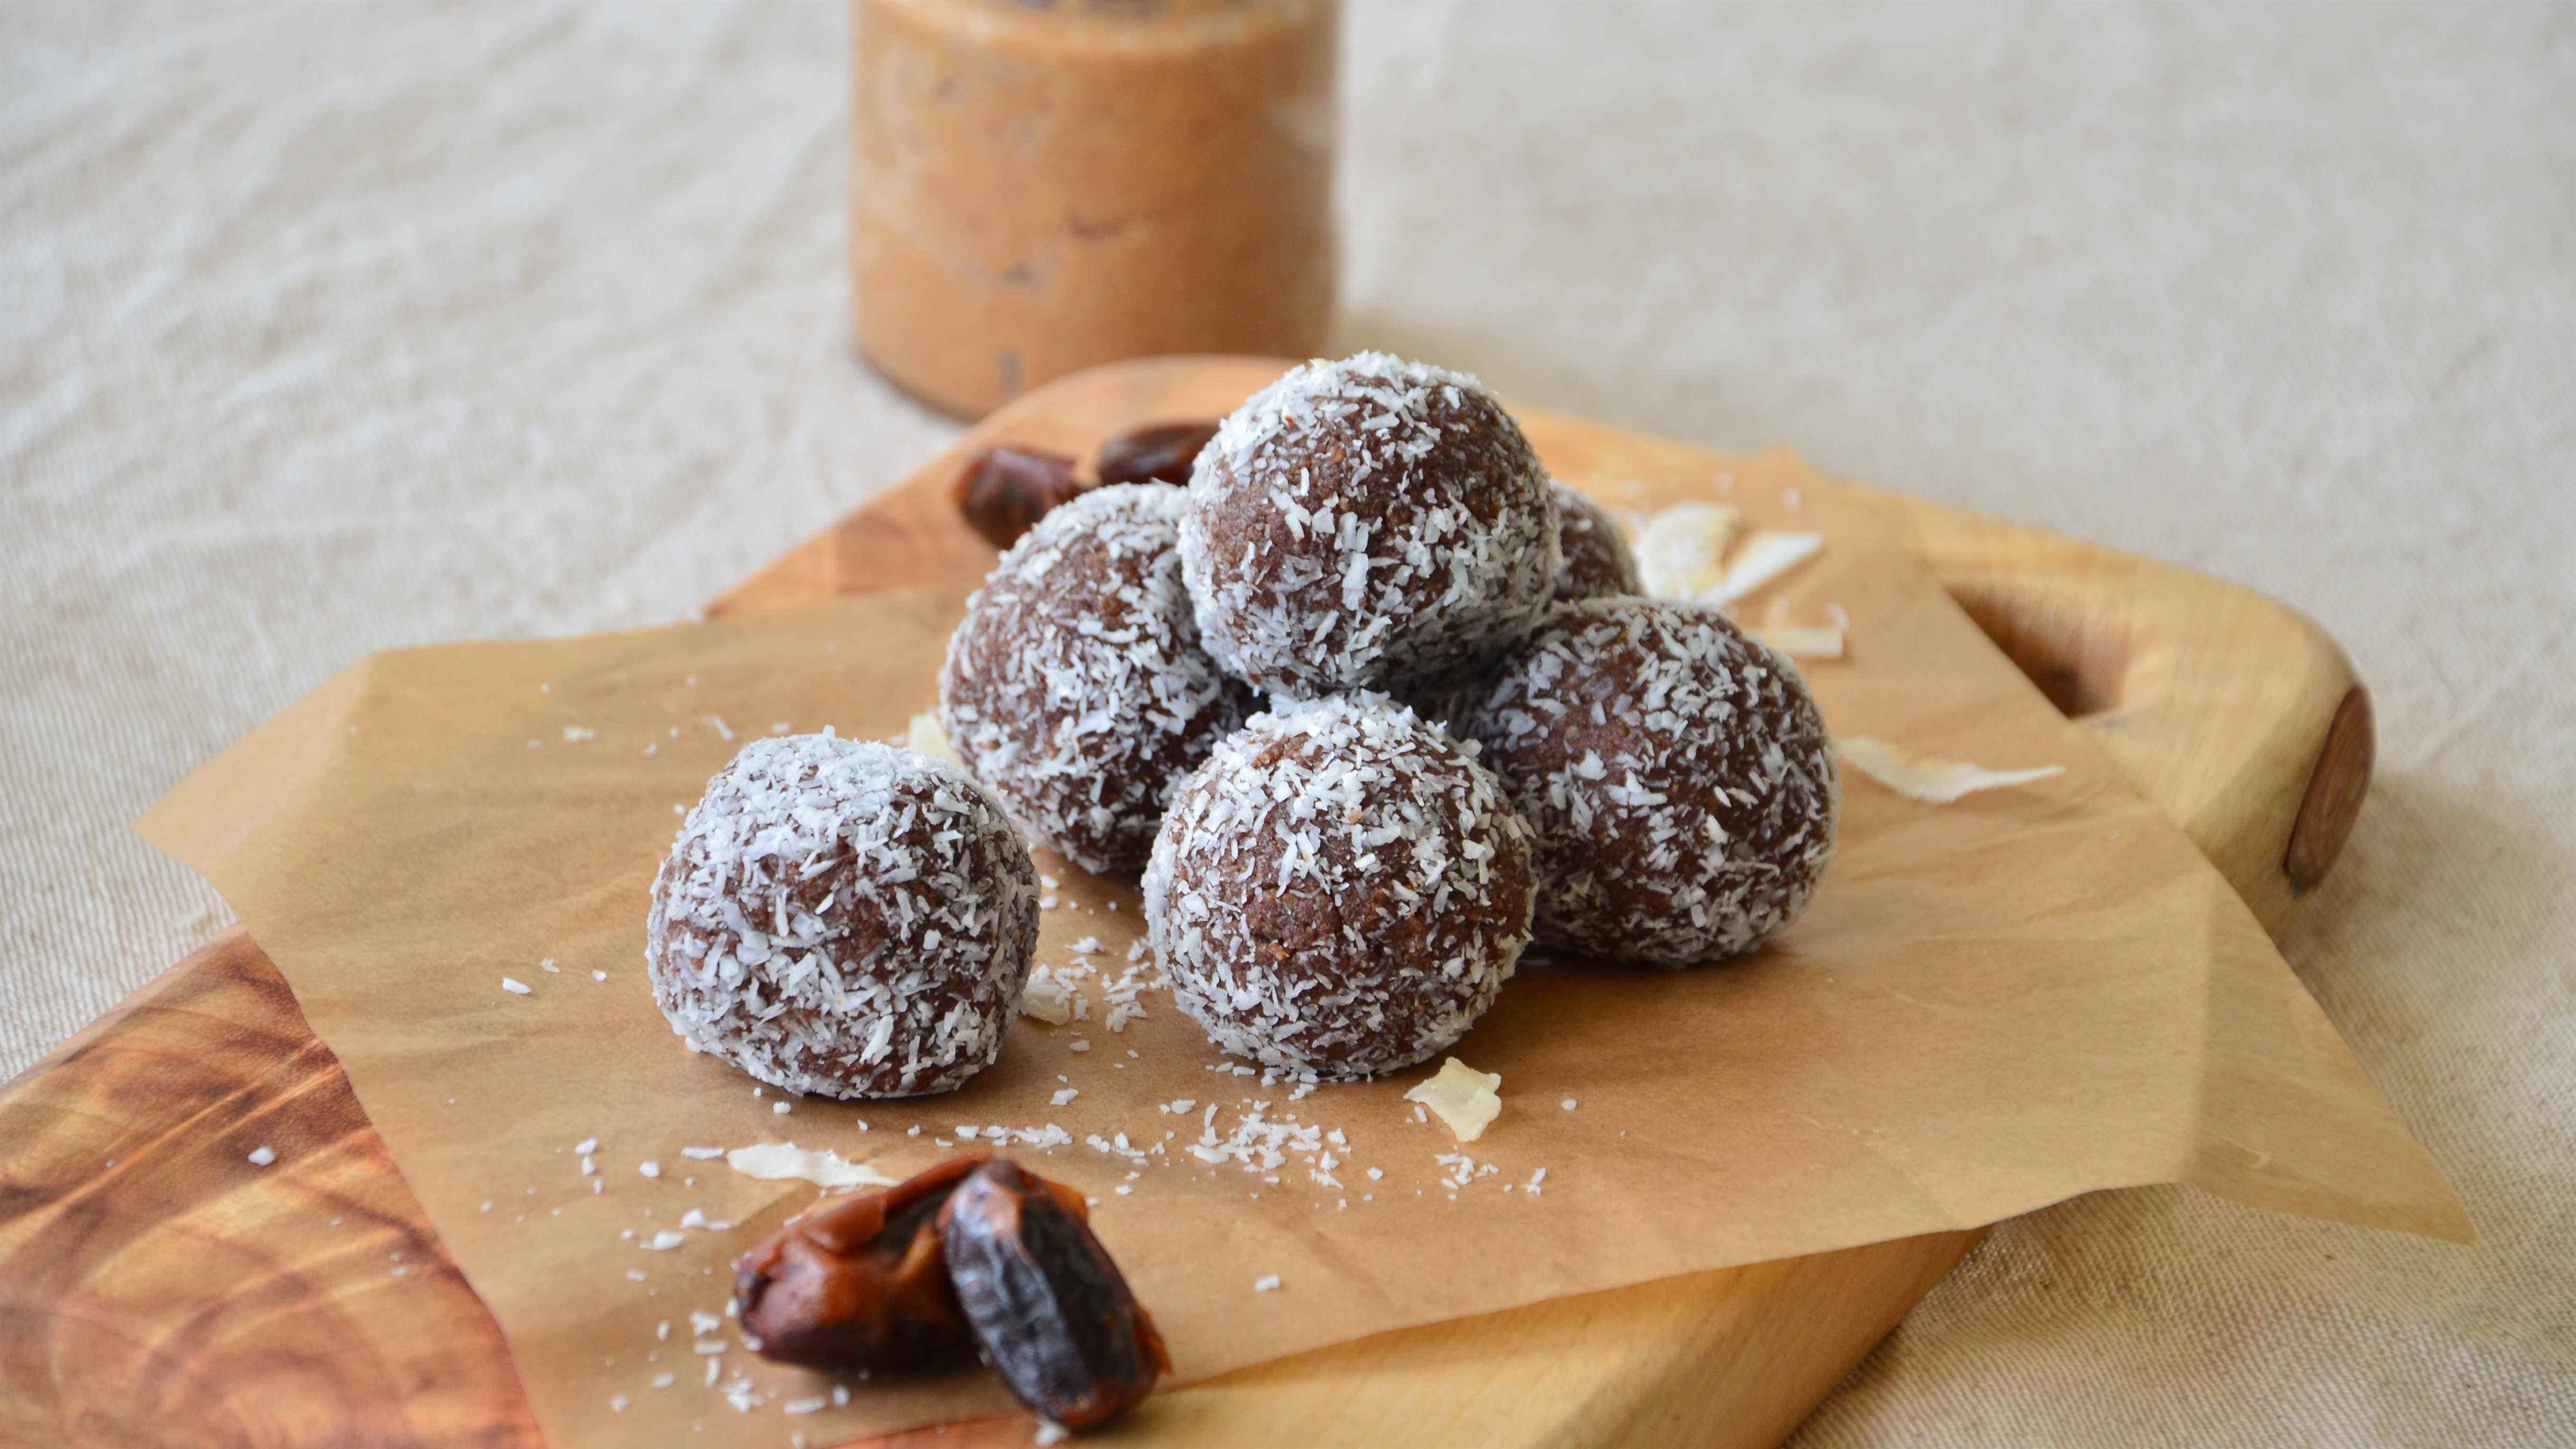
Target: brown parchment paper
{"type": "Point", "coordinates": [1993, 1005]}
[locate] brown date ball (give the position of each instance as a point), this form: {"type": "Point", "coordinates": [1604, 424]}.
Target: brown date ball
{"type": "Point", "coordinates": [1675, 775]}
{"type": "Point", "coordinates": [1368, 523]}
{"type": "Point", "coordinates": [1597, 563]}
{"type": "Point", "coordinates": [1076, 688]}
{"type": "Point", "coordinates": [1341, 889]}
{"type": "Point", "coordinates": [845, 919]}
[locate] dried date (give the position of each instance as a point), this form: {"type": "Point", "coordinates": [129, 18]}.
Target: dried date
{"type": "Point", "coordinates": [1051, 1310]}
{"type": "Point", "coordinates": [1006, 490]}
{"type": "Point", "coordinates": [862, 1284]}
{"type": "Point", "coordinates": [1162, 453]}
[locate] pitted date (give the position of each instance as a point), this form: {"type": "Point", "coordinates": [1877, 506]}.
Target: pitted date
{"type": "Point", "coordinates": [1162, 453]}
{"type": "Point", "coordinates": [1051, 1310]}
{"type": "Point", "coordinates": [862, 1284]}
{"type": "Point", "coordinates": [1006, 490]}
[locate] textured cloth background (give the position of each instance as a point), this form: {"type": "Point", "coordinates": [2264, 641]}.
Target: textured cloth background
{"type": "Point", "coordinates": [328, 329]}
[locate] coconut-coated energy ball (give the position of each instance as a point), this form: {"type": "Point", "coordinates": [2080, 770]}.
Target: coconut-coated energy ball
{"type": "Point", "coordinates": [845, 919]}
{"type": "Point", "coordinates": [1597, 561]}
{"type": "Point", "coordinates": [1341, 889]}
{"type": "Point", "coordinates": [1367, 523]}
{"type": "Point", "coordinates": [1076, 688]}
{"type": "Point", "coordinates": [1675, 775]}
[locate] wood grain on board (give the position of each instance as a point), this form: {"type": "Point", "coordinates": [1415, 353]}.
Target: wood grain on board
{"type": "Point", "coordinates": [152, 1292]}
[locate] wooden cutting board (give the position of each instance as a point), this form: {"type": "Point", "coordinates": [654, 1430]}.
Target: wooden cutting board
{"type": "Point", "coordinates": [151, 1294]}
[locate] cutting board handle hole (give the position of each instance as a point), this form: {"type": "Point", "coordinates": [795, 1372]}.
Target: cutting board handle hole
{"type": "Point", "coordinates": [2081, 663]}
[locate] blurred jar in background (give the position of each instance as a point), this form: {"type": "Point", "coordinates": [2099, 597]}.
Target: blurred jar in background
{"type": "Point", "coordinates": [1041, 187]}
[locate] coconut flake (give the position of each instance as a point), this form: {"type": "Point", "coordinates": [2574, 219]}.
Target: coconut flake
{"type": "Point", "coordinates": [774, 1161]}
{"type": "Point", "coordinates": [924, 737]}
{"type": "Point", "coordinates": [1765, 556]}
{"type": "Point", "coordinates": [1936, 782]}
{"type": "Point", "coordinates": [1681, 552]}
{"type": "Point", "coordinates": [262, 1155]}
{"type": "Point", "coordinates": [1462, 1097]}
{"type": "Point", "coordinates": [1798, 642]}
{"type": "Point", "coordinates": [1046, 999]}
{"type": "Point", "coordinates": [515, 987]}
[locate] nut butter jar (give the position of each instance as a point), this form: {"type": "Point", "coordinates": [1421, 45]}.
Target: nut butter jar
{"type": "Point", "coordinates": [1041, 187]}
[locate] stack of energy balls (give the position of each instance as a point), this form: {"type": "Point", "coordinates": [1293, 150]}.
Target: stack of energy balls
{"type": "Point", "coordinates": [1477, 736]}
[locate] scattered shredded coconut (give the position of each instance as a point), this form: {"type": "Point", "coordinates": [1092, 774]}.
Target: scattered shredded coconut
{"type": "Point", "coordinates": [575, 734]}
{"type": "Point", "coordinates": [1268, 1284]}
{"type": "Point", "coordinates": [664, 1241]}
{"type": "Point", "coordinates": [515, 987]}
{"type": "Point", "coordinates": [1936, 782]}
{"type": "Point", "coordinates": [649, 1169]}
{"type": "Point", "coordinates": [262, 1155]}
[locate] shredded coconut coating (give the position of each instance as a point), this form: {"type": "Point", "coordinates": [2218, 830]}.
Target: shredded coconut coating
{"type": "Point", "coordinates": [1076, 688]}
{"type": "Point", "coordinates": [845, 919]}
{"type": "Point", "coordinates": [1341, 889]}
{"type": "Point", "coordinates": [1675, 775]}
{"type": "Point", "coordinates": [1597, 560]}
{"type": "Point", "coordinates": [1365, 524]}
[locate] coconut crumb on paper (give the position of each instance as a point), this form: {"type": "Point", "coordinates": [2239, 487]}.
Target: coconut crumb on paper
{"type": "Point", "coordinates": [1822, 641]}
{"type": "Point", "coordinates": [262, 1155]}
{"type": "Point", "coordinates": [1935, 782]}
{"type": "Point", "coordinates": [773, 1161]}
{"type": "Point", "coordinates": [1465, 1099]}
{"type": "Point", "coordinates": [1681, 551]}
{"type": "Point", "coordinates": [1046, 999]}
{"type": "Point", "coordinates": [1269, 1284]}
{"type": "Point", "coordinates": [515, 986]}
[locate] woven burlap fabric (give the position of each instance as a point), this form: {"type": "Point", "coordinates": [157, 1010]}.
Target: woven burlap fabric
{"type": "Point", "coordinates": [328, 329]}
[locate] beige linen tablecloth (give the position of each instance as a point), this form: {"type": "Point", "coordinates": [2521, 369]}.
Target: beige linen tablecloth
{"type": "Point", "coordinates": [328, 329]}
